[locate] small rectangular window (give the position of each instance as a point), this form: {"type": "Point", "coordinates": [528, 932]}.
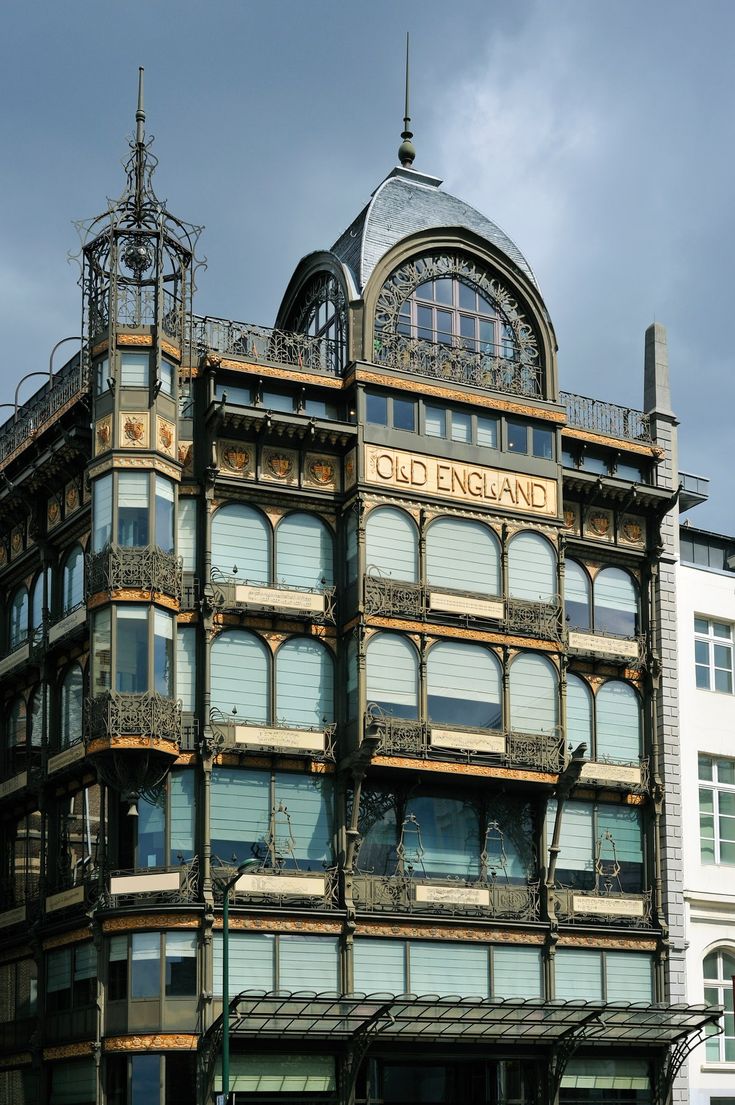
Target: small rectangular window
{"type": "Point", "coordinates": [163, 653]}
{"type": "Point", "coordinates": [134, 370]}
{"type": "Point", "coordinates": [320, 408]}
{"type": "Point", "coordinates": [487, 432]}
{"type": "Point", "coordinates": [117, 970]}
{"type": "Point", "coordinates": [543, 443]}
{"type": "Point", "coordinates": [132, 509]}
{"type": "Point", "coordinates": [435, 421]}
{"type": "Point", "coordinates": [517, 437]}
{"type": "Point", "coordinates": [164, 536]}
{"type": "Point", "coordinates": [628, 472]}
{"type": "Point", "coordinates": [597, 464]}
{"type": "Point", "coordinates": [277, 401]}
{"type": "Point", "coordinates": [568, 458]}
{"type": "Point", "coordinates": [146, 965]}
{"type": "Point", "coordinates": [713, 655]}
{"type": "Point", "coordinates": [376, 408]}
{"type": "Point", "coordinates": [101, 512]}
{"type": "Point", "coordinates": [167, 377]}
{"type": "Point", "coordinates": [404, 414]}
{"type": "Point", "coordinates": [181, 965]}
{"type": "Point", "coordinates": [461, 427]}
{"type": "Point", "coordinates": [101, 376]}
{"type": "Point", "coordinates": [131, 676]}
{"type": "Point", "coordinates": [234, 394]}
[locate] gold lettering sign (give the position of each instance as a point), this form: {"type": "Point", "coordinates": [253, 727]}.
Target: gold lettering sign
{"type": "Point", "coordinates": [468, 483]}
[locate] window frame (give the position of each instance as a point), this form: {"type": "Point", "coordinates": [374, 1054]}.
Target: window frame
{"type": "Point", "coordinates": [716, 788]}
{"type": "Point", "coordinates": [711, 639]}
{"type": "Point", "coordinates": [151, 614]}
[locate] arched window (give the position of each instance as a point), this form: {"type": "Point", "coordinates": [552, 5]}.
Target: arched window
{"type": "Point", "coordinates": [576, 596]}
{"type": "Point", "coordinates": [72, 697]}
{"type": "Point", "coordinates": [464, 686]}
{"type": "Point", "coordinates": [618, 718]}
{"type": "Point", "coordinates": [18, 625]}
{"type": "Point", "coordinates": [241, 667]}
{"type": "Point", "coordinates": [38, 723]}
{"type": "Point", "coordinates": [616, 603]}
{"type": "Point", "coordinates": [16, 725]}
{"type": "Point", "coordinates": [463, 555]}
{"type": "Point", "coordinates": [304, 552]}
{"type": "Point", "coordinates": [392, 543]}
{"type": "Point", "coordinates": [441, 837]}
{"type": "Point", "coordinates": [579, 714]}
{"type": "Point", "coordinates": [72, 579]}
{"type": "Point", "coordinates": [241, 543]}
{"type": "Point", "coordinates": [531, 568]}
{"type": "Point", "coordinates": [718, 970]}
{"type": "Point", "coordinates": [304, 684]}
{"type": "Point", "coordinates": [392, 675]}
{"type": "Point", "coordinates": [534, 700]}
{"type": "Point", "coordinates": [37, 597]}
{"type": "Point", "coordinates": [321, 313]}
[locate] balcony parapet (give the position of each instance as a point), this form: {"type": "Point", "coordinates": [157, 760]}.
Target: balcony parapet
{"type": "Point", "coordinates": [171, 885]}
{"type": "Point", "coordinates": [486, 898]}
{"type": "Point", "coordinates": [263, 345]}
{"type": "Point", "coordinates": [534, 619]}
{"type": "Point", "coordinates": [230, 733]}
{"type": "Point", "coordinates": [70, 621]}
{"type": "Point", "coordinates": [148, 720]}
{"type": "Point", "coordinates": [63, 389]}
{"type": "Point", "coordinates": [453, 363]}
{"type": "Point", "coordinates": [607, 419]}
{"type": "Point", "coordinates": [630, 651]}
{"type": "Point", "coordinates": [316, 604]}
{"type": "Point", "coordinates": [418, 739]}
{"type": "Point", "coordinates": [284, 887]}
{"type": "Point", "coordinates": [585, 907]}
{"type": "Point", "coordinates": [630, 775]}
{"type": "Point", "coordinates": [146, 568]}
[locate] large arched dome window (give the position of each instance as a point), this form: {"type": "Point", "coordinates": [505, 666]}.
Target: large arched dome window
{"type": "Point", "coordinates": [445, 315]}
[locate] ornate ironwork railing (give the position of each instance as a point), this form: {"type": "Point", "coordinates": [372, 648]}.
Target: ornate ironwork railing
{"type": "Point", "coordinates": [147, 885]}
{"type": "Point", "coordinates": [392, 597]}
{"type": "Point", "coordinates": [115, 715]}
{"type": "Point", "coordinates": [411, 737]}
{"type": "Point", "coordinates": [318, 604]}
{"type": "Point", "coordinates": [147, 568]}
{"type": "Point", "coordinates": [606, 418]}
{"type": "Point", "coordinates": [584, 907]}
{"type": "Point", "coordinates": [453, 897]}
{"type": "Point", "coordinates": [613, 646]}
{"type": "Point", "coordinates": [459, 365]}
{"type": "Point", "coordinates": [69, 383]}
{"type": "Point", "coordinates": [263, 345]}
{"type": "Point", "coordinates": [271, 737]}
{"type": "Point", "coordinates": [282, 887]}
{"type": "Point", "coordinates": [534, 619]}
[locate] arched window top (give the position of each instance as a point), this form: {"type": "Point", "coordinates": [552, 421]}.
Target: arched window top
{"type": "Point", "coordinates": [304, 551]}
{"type": "Point", "coordinates": [392, 541]}
{"type": "Point", "coordinates": [577, 591]}
{"type": "Point", "coordinates": [579, 713]}
{"type": "Point", "coordinates": [17, 714]}
{"type": "Point", "coordinates": [241, 543]}
{"type": "Point", "coordinates": [37, 721]}
{"type": "Point", "coordinates": [37, 596]}
{"type": "Point", "coordinates": [449, 308]}
{"type": "Point", "coordinates": [534, 700]}
{"type": "Point", "coordinates": [532, 568]}
{"type": "Point", "coordinates": [463, 685]}
{"type": "Point", "coordinates": [392, 675]}
{"type": "Point", "coordinates": [304, 683]}
{"type": "Point", "coordinates": [463, 555]}
{"type": "Point", "coordinates": [718, 968]}
{"type": "Point", "coordinates": [321, 312]}
{"type": "Point", "coordinates": [618, 716]}
{"type": "Point", "coordinates": [18, 625]}
{"type": "Point", "coordinates": [72, 697]}
{"type": "Point", "coordinates": [616, 602]}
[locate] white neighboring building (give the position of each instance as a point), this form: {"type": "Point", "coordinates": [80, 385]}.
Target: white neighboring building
{"type": "Point", "coordinates": [706, 635]}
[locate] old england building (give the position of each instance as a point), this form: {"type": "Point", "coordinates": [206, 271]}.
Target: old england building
{"type": "Point", "coordinates": [366, 600]}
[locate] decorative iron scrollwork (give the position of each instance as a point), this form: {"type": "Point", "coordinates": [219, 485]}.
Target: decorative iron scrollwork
{"type": "Point", "coordinates": [262, 345]}
{"type": "Point", "coordinates": [146, 568]}
{"type": "Point", "coordinates": [534, 619]}
{"type": "Point", "coordinates": [606, 418]}
{"type": "Point", "coordinates": [113, 715]}
{"type": "Point", "coordinates": [392, 597]}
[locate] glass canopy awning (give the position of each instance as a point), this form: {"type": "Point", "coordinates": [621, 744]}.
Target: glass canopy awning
{"type": "Point", "coordinates": [306, 1015]}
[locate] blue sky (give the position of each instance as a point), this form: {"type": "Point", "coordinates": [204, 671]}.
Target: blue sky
{"type": "Point", "coordinates": [598, 135]}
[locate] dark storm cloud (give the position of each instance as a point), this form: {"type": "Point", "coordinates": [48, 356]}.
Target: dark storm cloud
{"type": "Point", "coordinates": [598, 135]}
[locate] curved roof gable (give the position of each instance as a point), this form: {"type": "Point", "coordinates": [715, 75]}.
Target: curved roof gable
{"type": "Point", "coordinates": [407, 202]}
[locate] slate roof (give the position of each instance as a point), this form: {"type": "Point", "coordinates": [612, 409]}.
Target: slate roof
{"type": "Point", "coordinates": [407, 202]}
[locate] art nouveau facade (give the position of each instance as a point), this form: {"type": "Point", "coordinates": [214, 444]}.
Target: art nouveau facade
{"type": "Point", "coordinates": [366, 599]}
{"type": "Point", "coordinates": [706, 609]}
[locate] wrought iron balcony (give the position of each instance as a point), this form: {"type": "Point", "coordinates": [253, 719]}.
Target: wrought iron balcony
{"type": "Point", "coordinates": [633, 776]}
{"type": "Point", "coordinates": [609, 419]}
{"type": "Point", "coordinates": [281, 886]}
{"type": "Point", "coordinates": [263, 345]}
{"type": "Point", "coordinates": [150, 716]}
{"type": "Point", "coordinates": [628, 650]}
{"type": "Point", "coordinates": [232, 733]}
{"type": "Point", "coordinates": [613, 907]}
{"type": "Point", "coordinates": [487, 898]}
{"type": "Point", "coordinates": [534, 619]}
{"type": "Point", "coordinates": [145, 568]}
{"type": "Point", "coordinates": [454, 363]}
{"type": "Point", "coordinates": [390, 598]}
{"type": "Point", "coordinates": [415, 738]}
{"type": "Point", "coordinates": [69, 383]}
{"type": "Point", "coordinates": [317, 604]}
{"type": "Point", "coordinates": [174, 885]}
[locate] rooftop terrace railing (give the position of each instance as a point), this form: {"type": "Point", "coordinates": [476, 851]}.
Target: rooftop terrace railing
{"type": "Point", "coordinates": [264, 345]}
{"type": "Point", "coordinates": [453, 362]}
{"type": "Point", "coordinates": [32, 417]}
{"type": "Point", "coordinates": [600, 417]}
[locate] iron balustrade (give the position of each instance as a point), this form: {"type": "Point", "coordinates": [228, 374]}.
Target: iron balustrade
{"type": "Point", "coordinates": [69, 383]}
{"type": "Point", "coordinates": [186, 892]}
{"type": "Point", "coordinates": [146, 568]}
{"type": "Point", "coordinates": [145, 715]}
{"type": "Point", "coordinates": [230, 592]}
{"type": "Point", "coordinates": [271, 878]}
{"type": "Point", "coordinates": [264, 345]}
{"type": "Point", "coordinates": [585, 907]}
{"type": "Point", "coordinates": [453, 362]}
{"type": "Point", "coordinates": [606, 418]}
{"type": "Point", "coordinates": [486, 898]}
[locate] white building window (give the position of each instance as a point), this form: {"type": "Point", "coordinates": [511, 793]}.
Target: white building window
{"type": "Point", "coordinates": [716, 810]}
{"type": "Point", "coordinates": [719, 968]}
{"type": "Point", "coordinates": [713, 655]}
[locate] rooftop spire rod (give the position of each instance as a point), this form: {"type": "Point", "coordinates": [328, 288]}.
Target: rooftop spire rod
{"type": "Point", "coordinates": [139, 142]}
{"type": "Point", "coordinates": [407, 150]}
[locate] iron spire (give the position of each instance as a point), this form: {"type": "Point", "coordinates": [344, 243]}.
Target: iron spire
{"type": "Point", "coordinates": [140, 150]}
{"type": "Point", "coordinates": [406, 150]}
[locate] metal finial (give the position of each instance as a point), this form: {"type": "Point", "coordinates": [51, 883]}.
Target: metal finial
{"type": "Point", "coordinates": [407, 150]}
{"type": "Point", "coordinates": [140, 113]}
